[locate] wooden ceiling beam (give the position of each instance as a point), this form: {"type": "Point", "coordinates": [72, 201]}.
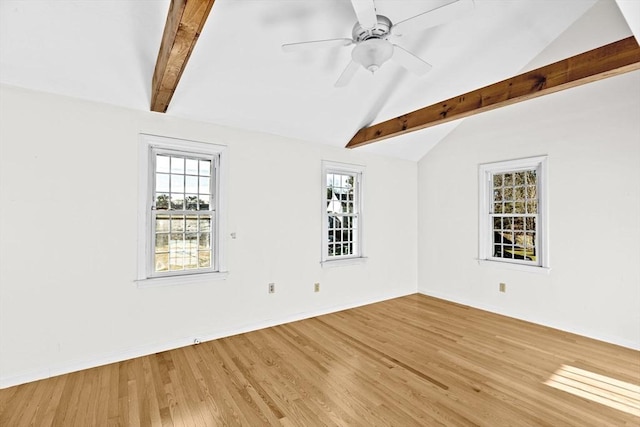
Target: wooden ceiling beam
{"type": "Point", "coordinates": [606, 61]}
{"type": "Point", "coordinates": [181, 31]}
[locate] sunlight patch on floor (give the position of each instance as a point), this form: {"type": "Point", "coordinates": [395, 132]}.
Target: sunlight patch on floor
{"type": "Point", "coordinates": [608, 391]}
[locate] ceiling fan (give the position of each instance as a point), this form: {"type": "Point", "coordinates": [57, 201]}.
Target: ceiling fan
{"type": "Point", "coordinates": [372, 35]}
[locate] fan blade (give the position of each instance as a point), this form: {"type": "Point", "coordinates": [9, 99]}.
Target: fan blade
{"type": "Point", "coordinates": [433, 17]}
{"type": "Point", "coordinates": [366, 13]}
{"type": "Point", "coordinates": [347, 74]}
{"type": "Point", "coordinates": [409, 61]}
{"type": "Point", "coordinates": [316, 44]}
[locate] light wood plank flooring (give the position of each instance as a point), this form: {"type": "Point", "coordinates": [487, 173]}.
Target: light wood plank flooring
{"type": "Point", "coordinates": [411, 361]}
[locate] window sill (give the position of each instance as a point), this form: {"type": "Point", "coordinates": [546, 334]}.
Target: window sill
{"type": "Point", "coordinates": [512, 266]}
{"type": "Point", "coordinates": [187, 279]}
{"type": "Point", "coordinates": [342, 262]}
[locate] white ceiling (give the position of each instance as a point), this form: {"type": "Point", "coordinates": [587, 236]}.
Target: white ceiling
{"type": "Point", "coordinates": [105, 50]}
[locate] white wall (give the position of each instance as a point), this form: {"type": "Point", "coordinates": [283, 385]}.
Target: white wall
{"type": "Point", "coordinates": [592, 137]}
{"type": "Point", "coordinates": [68, 185]}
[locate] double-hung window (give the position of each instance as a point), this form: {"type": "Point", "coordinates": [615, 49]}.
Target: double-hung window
{"type": "Point", "coordinates": [513, 219]}
{"type": "Point", "coordinates": [342, 211]}
{"type": "Point", "coordinates": [180, 219]}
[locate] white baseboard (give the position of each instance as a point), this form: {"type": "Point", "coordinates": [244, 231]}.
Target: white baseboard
{"type": "Point", "coordinates": [578, 331]}
{"type": "Point", "coordinates": [125, 354]}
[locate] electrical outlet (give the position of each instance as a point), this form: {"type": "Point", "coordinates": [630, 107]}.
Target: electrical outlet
{"type": "Point", "coordinates": [272, 288]}
{"type": "Point", "coordinates": [503, 287]}
{"type": "Point", "coordinates": [316, 287]}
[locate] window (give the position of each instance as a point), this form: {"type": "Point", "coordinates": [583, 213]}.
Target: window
{"type": "Point", "coordinates": [342, 212]}
{"type": "Point", "coordinates": [513, 212]}
{"type": "Point", "coordinates": [180, 221]}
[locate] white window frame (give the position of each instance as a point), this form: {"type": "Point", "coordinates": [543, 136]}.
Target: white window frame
{"type": "Point", "coordinates": [485, 227]}
{"type": "Point", "coordinates": [357, 171]}
{"type": "Point", "coordinates": [148, 144]}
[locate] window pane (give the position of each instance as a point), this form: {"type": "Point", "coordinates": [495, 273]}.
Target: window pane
{"type": "Point", "coordinates": [508, 251]}
{"type": "Point", "coordinates": [518, 178]}
{"type": "Point", "coordinates": [191, 260]}
{"type": "Point", "coordinates": [204, 259]}
{"type": "Point", "coordinates": [191, 167]}
{"type": "Point", "coordinates": [518, 223]}
{"type": "Point", "coordinates": [192, 224]}
{"type": "Point", "coordinates": [531, 241]}
{"type": "Point", "coordinates": [531, 192]}
{"type": "Point", "coordinates": [531, 177]}
{"type": "Point", "coordinates": [162, 223]}
{"type": "Point", "coordinates": [177, 223]}
{"type": "Point", "coordinates": [205, 224]}
{"type": "Point", "coordinates": [162, 262]}
{"type": "Point", "coordinates": [191, 251]}
{"type": "Point", "coordinates": [508, 193]}
{"type": "Point", "coordinates": [176, 251]}
{"type": "Point", "coordinates": [162, 201]}
{"type": "Point", "coordinates": [177, 201]}
{"type": "Point", "coordinates": [177, 165]}
{"type": "Point", "coordinates": [497, 250]}
{"type": "Point", "coordinates": [204, 242]}
{"type": "Point", "coordinates": [497, 195]}
{"type": "Point", "coordinates": [162, 242]}
{"type": "Point", "coordinates": [205, 167]}
{"type": "Point", "coordinates": [162, 183]}
{"type": "Point", "coordinates": [177, 183]}
{"type": "Point", "coordinates": [175, 261]}
{"type": "Point", "coordinates": [162, 163]}
{"type": "Point", "coordinates": [532, 206]}
{"type": "Point", "coordinates": [497, 181]}
{"type": "Point", "coordinates": [204, 203]}
{"type": "Point", "coordinates": [520, 193]}
{"type": "Point", "coordinates": [191, 202]}
{"type": "Point", "coordinates": [191, 184]}
{"type": "Point", "coordinates": [508, 207]}
{"type": "Point", "coordinates": [204, 185]}
{"type": "Point", "coordinates": [347, 222]}
{"type": "Point", "coordinates": [520, 207]}
{"type": "Point", "coordinates": [508, 179]}
{"type": "Point", "coordinates": [176, 242]}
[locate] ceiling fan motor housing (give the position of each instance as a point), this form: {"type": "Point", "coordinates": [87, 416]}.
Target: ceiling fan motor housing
{"type": "Point", "coordinates": [379, 31]}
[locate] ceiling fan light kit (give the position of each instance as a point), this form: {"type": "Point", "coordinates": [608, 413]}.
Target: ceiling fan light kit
{"type": "Point", "coordinates": [372, 46]}
{"type": "Point", "coordinates": [372, 53]}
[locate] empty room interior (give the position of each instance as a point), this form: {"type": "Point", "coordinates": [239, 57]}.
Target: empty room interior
{"type": "Point", "coordinates": [328, 212]}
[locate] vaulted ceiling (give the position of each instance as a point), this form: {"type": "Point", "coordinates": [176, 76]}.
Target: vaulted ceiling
{"type": "Point", "coordinates": [239, 76]}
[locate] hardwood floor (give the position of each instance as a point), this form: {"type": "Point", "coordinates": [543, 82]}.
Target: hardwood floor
{"type": "Point", "coordinates": [414, 360]}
